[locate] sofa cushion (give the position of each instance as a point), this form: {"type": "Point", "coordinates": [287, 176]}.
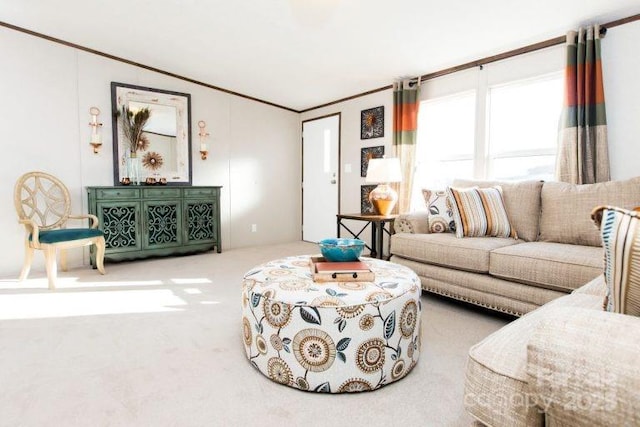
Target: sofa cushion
{"type": "Point", "coordinates": [621, 239]}
{"type": "Point", "coordinates": [583, 368]}
{"type": "Point", "coordinates": [481, 289]}
{"type": "Point", "coordinates": [551, 265]}
{"type": "Point", "coordinates": [522, 201]}
{"type": "Point", "coordinates": [566, 208]}
{"type": "Point", "coordinates": [471, 253]}
{"type": "Point", "coordinates": [595, 287]}
{"type": "Point", "coordinates": [440, 211]}
{"type": "Point", "coordinates": [479, 212]}
{"type": "Point", "coordinates": [496, 389]}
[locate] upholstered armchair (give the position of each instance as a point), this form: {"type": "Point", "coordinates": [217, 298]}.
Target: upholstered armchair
{"type": "Point", "coordinates": [43, 205]}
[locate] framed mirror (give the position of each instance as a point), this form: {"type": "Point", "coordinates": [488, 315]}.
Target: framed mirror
{"type": "Point", "coordinates": [162, 154]}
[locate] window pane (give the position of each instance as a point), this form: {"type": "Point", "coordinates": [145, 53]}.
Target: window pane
{"type": "Point", "coordinates": [524, 116]}
{"type": "Point", "coordinates": [526, 167]}
{"type": "Point", "coordinates": [446, 126]}
{"type": "Point", "coordinates": [445, 143]}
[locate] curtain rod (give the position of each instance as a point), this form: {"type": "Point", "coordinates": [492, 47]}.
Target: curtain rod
{"type": "Point", "coordinates": [489, 59]}
{"type": "Point", "coordinates": [525, 49]}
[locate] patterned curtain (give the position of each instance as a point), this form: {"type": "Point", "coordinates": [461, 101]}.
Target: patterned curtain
{"type": "Point", "coordinates": [583, 154]}
{"type": "Point", "coordinates": [405, 125]}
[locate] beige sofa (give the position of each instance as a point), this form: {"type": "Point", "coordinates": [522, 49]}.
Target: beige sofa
{"type": "Point", "coordinates": [565, 363]}
{"type": "Point", "coordinates": [558, 249]}
{"type": "Point", "coordinates": [568, 363]}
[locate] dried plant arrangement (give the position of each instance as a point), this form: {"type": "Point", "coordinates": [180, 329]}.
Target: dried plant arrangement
{"type": "Point", "coordinates": [133, 124]}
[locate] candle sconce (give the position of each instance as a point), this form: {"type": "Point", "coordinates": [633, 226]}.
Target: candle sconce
{"type": "Point", "coordinates": [203, 136]}
{"type": "Point", "coordinates": [96, 136]}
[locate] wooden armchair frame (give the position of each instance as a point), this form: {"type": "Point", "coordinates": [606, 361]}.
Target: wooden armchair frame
{"type": "Point", "coordinates": [43, 205]}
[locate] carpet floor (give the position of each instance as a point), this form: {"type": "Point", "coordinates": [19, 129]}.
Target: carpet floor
{"type": "Point", "coordinates": [159, 343]}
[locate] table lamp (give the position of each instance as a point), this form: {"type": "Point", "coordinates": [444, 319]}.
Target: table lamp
{"type": "Point", "coordinates": [383, 171]}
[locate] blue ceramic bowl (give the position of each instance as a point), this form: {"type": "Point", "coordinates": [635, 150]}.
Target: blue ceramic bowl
{"type": "Point", "coordinates": [341, 250]}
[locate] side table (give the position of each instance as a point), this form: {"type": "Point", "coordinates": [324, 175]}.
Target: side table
{"type": "Point", "coordinates": [378, 230]}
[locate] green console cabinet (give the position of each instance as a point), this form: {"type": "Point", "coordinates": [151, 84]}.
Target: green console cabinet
{"type": "Point", "coordinates": [140, 222]}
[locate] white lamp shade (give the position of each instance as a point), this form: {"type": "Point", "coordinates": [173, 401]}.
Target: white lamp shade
{"type": "Point", "coordinates": [384, 170]}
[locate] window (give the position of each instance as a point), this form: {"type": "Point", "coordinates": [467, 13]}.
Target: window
{"type": "Point", "coordinates": [523, 126]}
{"type": "Point", "coordinates": [445, 147]}
{"type": "Point", "coordinates": [505, 131]}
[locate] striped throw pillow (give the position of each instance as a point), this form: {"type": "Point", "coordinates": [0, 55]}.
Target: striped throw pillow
{"type": "Point", "coordinates": [480, 212]}
{"type": "Point", "coordinates": [620, 231]}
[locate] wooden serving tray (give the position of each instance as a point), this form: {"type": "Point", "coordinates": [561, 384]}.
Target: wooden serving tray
{"type": "Point", "coordinates": [368, 276]}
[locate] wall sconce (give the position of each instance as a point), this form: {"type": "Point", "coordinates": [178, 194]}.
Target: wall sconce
{"type": "Point", "coordinates": [96, 136]}
{"type": "Point", "coordinates": [203, 135]}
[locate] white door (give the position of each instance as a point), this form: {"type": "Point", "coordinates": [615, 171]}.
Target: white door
{"type": "Point", "coordinates": [320, 177]}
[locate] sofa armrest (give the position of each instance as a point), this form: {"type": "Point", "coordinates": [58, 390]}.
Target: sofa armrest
{"type": "Point", "coordinates": [584, 368]}
{"type": "Point", "coordinates": [415, 223]}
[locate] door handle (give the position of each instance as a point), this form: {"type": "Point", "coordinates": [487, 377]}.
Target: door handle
{"type": "Point", "coordinates": [333, 181]}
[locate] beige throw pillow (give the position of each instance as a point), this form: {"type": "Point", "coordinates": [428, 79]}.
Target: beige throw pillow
{"type": "Point", "coordinates": [566, 208]}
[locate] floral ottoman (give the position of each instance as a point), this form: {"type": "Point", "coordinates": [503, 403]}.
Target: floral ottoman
{"type": "Point", "coordinates": [331, 337]}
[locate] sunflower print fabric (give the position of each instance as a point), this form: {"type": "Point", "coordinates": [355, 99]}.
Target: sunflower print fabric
{"type": "Point", "coordinates": [331, 337]}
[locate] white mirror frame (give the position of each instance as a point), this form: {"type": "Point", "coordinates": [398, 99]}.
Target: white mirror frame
{"type": "Point", "coordinates": [121, 95]}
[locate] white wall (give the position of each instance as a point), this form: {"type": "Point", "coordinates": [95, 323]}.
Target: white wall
{"type": "Point", "coordinates": [621, 68]}
{"type": "Point", "coordinates": [46, 92]}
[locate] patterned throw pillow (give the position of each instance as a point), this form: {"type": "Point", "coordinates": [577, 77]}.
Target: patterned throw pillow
{"type": "Point", "coordinates": [440, 213]}
{"type": "Point", "coordinates": [480, 212]}
{"type": "Point", "coordinates": [620, 231]}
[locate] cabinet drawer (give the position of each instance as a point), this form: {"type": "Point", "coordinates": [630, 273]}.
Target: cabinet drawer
{"type": "Point", "coordinates": [117, 193]}
{"type": "Point", "coordinates": [195, 192]}
{"type": "Point", "coordinates": [161, 193]}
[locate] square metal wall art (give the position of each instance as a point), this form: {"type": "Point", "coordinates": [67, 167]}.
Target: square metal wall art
{"type": "Point", "coordinates": [367, 154]}
{"type": "Point", "coordinates": [365, 205]}
{"type": "Point", "coordinates": [372, 123]}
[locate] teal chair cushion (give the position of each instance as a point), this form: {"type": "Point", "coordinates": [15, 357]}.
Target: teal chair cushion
{"type": "Point", "coordinates": [66, 234]}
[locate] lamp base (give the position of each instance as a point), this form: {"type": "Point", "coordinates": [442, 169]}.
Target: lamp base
{"type": "Point", "coordinates": [384, 199]}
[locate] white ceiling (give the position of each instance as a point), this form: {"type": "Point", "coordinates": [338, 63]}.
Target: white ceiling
{"type": "Point", "coordinates": [303, 53]}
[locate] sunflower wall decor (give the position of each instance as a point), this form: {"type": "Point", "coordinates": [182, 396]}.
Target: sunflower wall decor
{"type": "Point", "coordinates": [365, 205]}
{"type": "Point", "coordinates": [152, 160]}
{"type": "Point", "coordinates": [372, 123]}
{"type": "Point", "coordinates": [367, 154]}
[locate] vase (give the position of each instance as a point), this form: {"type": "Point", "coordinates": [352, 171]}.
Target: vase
{"type": "Point", "coordinates": [133, 168]}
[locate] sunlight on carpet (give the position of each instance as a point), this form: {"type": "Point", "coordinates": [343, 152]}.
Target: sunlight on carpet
{"type": "Point", "coordinates": [68, 304]}
{"type": "Point", "coordinates": [191, 281]}
{"type": "Point", "coordinates": [74, 282]}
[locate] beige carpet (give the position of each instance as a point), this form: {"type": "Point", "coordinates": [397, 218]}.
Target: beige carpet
{"type": "Point", "coordinates": [158, 343]}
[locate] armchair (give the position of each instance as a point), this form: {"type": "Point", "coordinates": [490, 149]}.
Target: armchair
{"type": "Point", "coordinates": [43, 205]}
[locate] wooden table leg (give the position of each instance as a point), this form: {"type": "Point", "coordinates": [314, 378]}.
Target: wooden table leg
{"type": "Point", "coordinates": [374, 245]}
{"type": "Point", "coordinates": [380, 226]}
{"type": "Point", "coordinates": [391, 233]}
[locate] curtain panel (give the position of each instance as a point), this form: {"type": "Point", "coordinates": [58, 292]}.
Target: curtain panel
{"type": "Point", "coordinates": [405, 125]}
{"type": "Point", "coordinates": [583, 153]}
